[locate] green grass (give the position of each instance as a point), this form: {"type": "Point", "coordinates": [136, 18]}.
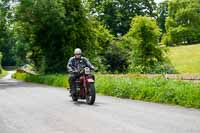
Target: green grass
{"type": "Point", "coordinates": [58, 80]}
{"type": "Point", "coordinates": [3, 73]}
{"type": "Point", "coordinates": [186, 59]}
{"type": "Point", "coordinates": [157, 90]}
{"type": "Point", "coordinates": [153, 90]}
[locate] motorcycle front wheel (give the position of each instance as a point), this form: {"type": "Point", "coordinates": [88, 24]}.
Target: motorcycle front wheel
{"type": "Point", "coordinates": [74, 98]}
{"type": "Point", "coordinates": [91, 96]}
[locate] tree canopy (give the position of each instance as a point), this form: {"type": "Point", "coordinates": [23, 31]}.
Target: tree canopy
{"type": "Point", "coordinates": [117, 14]}
{"type": "Point", "coordinates": [116, 35]}
{"type": "Point", "coordinates": [183, 22]}
{"type": "Point", "coordinates": [6, 41]}
{"type": "Point", "coordinates": [53, 29]}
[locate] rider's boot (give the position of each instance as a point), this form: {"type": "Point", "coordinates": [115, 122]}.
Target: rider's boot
{"type": "Point", "coordinates": [72, 89]}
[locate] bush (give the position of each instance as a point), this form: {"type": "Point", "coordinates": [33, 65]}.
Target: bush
{"type": "Point", "coordinates": [116, 58]}
{"type": "Point", "coordinates": [157, 68]}
{"type": "Point", "coordinates": [53, 80]}
{"type": "Point", "coordinates": [156, 90]}
{"type": "Point", "coordinates": [1, 62]}
{"type": "Point", "coordinates": [129, 86]}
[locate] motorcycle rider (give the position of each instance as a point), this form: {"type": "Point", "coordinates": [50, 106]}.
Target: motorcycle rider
{"type": "Point", "coordinates": [74, 64]}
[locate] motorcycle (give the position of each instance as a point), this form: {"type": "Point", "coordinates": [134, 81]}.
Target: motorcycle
{"type": "Point", "coordinates": [84, 86]}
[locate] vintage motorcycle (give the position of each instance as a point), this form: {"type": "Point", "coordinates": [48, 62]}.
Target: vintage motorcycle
{"type": "Point", "coordinates": [84, 86]}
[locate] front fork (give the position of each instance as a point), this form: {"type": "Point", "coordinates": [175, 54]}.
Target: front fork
{"type": "Point", "coordinates": [86, 80]}
{"type": "Point", "coordinates": [90, 79]}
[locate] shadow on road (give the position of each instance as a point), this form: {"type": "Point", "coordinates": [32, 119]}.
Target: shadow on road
{"type": "Point", "coordinates": [80, 103]}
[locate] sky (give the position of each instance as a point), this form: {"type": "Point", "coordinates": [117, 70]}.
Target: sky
{"type": "Point", "coordinates": [158, 1]}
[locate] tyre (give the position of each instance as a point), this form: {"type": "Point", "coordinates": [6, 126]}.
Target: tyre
{"type": "Point", "coordinates": [74, 98]}
{"type": "Point", "coordinates": [91, 96]}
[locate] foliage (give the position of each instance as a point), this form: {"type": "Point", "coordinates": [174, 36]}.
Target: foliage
{"type": "Point", "coordinates": [1, 56]}
{"type": "Point", "coordinates": [103, 41]}
{"type": "Point", "coordinates": [21, 47]}
{"type": "Point", "coordinates": [162, 14]}
{"type": "Point", "coordinates": [183, 23]}
{"type": "Point", "coordinates": [143, 41]}
{"type": "Point", "coordinates": [2, 71]}
{"type": "Point", "coordinates": [116, 58]}
{"type": "Point", "coordinates": [6, 40]}
{"type": "Point", "coordinates": [55, 28]}
{"type": "Point", "coordinates": [58, 80]}
{"type": "Point", "coordinates": [45, 33]}
{"type": "Point", "coordinates": [117, 14]}
{"type": "Point", "coordinates": [155, 90]}
{"type": "Point", "coordinates": [158, 68]}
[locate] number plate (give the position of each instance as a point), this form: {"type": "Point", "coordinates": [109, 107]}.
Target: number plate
{"type": "Point", "coordinates": [90, 80]}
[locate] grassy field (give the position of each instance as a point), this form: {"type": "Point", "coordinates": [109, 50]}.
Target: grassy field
{"type": "Point", "coordinates": [158, 90]}
{"type": "Point", "coordinates": [186, 59]}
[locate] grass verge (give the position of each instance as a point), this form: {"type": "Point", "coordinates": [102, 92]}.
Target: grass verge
{"type": "Point", "coordinates": [4, 73]}
{"type": "Point", "coordinates": [58, 80]}
{"type": "Point", "coordinates": [157, 90]}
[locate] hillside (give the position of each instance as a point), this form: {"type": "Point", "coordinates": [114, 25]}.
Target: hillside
{"type": "Point", "coordinates": [186, 59]}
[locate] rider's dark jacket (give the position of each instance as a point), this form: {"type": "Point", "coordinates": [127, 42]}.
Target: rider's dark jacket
{"type": "Point", "coordinates": [75, 64]}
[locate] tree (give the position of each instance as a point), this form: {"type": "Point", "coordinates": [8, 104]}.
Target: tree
{"type": "Point", "coordinates": [162, 12]}
{"type": "Point", "coordinates": [143, 40]}
{"type": "Point", "coordinates": [103, 40]}
{"type": "Point", "coordinates": [183, 23]}
{"type": "Point", "coordinates": [6, 40]}
{"type": "Point", "coordinates": [53, 28]}
{"type": "Point", "coordinates": [117, 14]}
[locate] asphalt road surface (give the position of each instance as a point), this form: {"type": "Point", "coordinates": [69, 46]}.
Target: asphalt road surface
{"type": "Point", "coordinates": [33, 108]}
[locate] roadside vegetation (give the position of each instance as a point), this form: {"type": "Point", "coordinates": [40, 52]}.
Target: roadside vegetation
{"type": "Point", "coordinates": [0, 63]}
{"type": "Point", "coordinates": [157, 90]}
{"type": "Point", "coordinates": [59, 80]}
{"type": "Point", "coordinates": [2, 71]}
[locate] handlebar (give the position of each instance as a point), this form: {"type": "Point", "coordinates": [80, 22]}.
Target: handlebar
{"type": "Point", "coordinates": [81, 71]}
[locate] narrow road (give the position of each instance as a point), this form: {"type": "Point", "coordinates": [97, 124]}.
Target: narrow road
{"type": "Point", "coordinates": [33, 108]}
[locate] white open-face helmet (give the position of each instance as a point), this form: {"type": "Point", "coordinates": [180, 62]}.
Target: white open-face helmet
{"type": "Point", "coordinates": [77, 51]}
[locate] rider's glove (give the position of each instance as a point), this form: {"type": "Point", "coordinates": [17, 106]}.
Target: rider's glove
{"type": "Point", "coordinates": [75, 71]}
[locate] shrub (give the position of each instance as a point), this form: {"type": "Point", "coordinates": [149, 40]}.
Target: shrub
{"type": "Point", "coordinates": [156, 90]}
{"type": "Point", "coordinates": [116, 58]}
{"type": "Point", "coordinates": [157, 68]}
{"type": "Point", "coordinates": [54, 80]}
{"type": "Point", "coordinates": [1, 62]}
